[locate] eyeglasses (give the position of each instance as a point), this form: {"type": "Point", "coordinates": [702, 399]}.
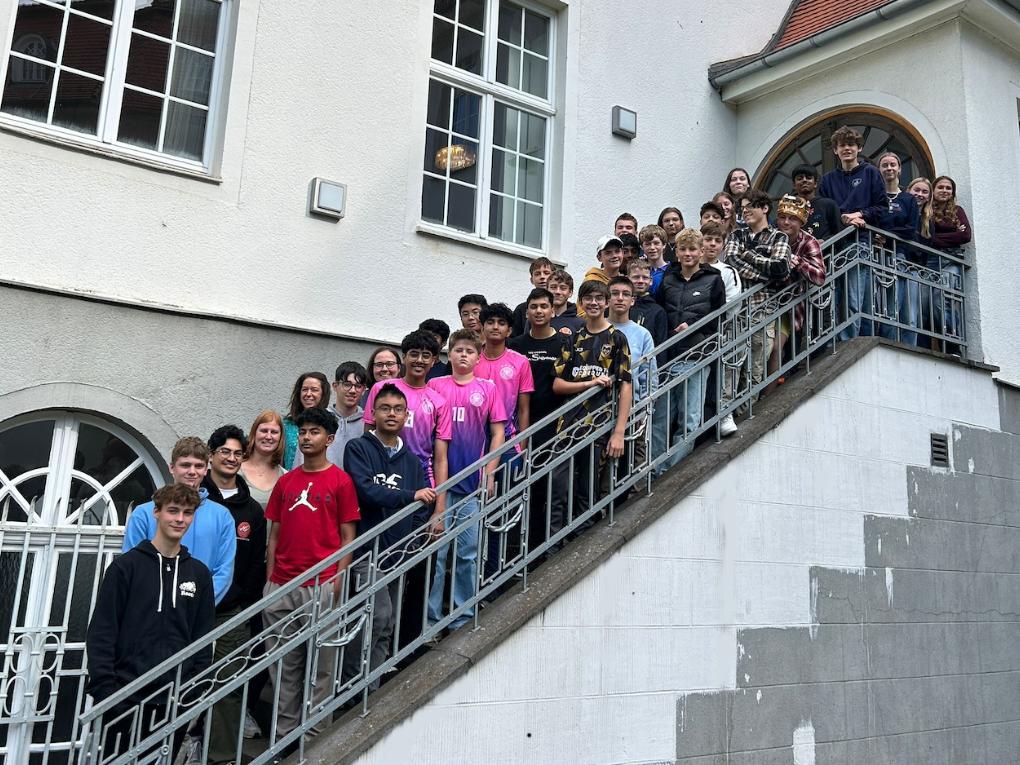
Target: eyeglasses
{"type": "Point", "coordinates": [225, 452]}
{"type": "Point", "coordinates": [593, 299]}
{"type": "Point", "coordinates": [385, 365]}
{"type": "Point", "coordinates": [348, 385]}
{"type": "Point", "coordinates": [387, 409]}
{"type": "Point", "coordinates": [419, 356]}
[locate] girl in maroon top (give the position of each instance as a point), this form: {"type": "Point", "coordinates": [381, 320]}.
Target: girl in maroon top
{"type": "Point", "coordinates": [950, 230]}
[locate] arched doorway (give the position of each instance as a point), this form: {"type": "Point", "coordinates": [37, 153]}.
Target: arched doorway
{"type": "Point", "coordinates": [68, 481]}
{"type": "Point", "coordinates": [809, 144]}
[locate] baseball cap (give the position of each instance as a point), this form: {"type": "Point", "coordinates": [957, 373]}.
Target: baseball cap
{"type": "Point", "coordinates": [604, 241]}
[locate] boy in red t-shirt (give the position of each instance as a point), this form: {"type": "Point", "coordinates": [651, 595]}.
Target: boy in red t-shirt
{"type": "Point", "coordinates": [314, 512]}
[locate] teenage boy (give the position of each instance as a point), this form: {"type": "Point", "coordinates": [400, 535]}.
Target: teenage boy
{"type": "Point", "coordinates": [210, 536]}
{"type": "Point", "coordinates": [823, 220]}
{"type": "Point", "coordinates": [644, 374]}
{"type": "Point", "coordinates": [631, 246]}
{"type": "Point", "coordinates": [227, 446]}
{"type": "Point", "coordinates": [388, 477]}
{"type": "Point", "coordinates": [479, 424]}
{"type": "Point", "coordinates": [565, 318]}
{"type": "Point", "coordinates": [761, 254]}
{"type": "Point", "coordinates": [711, 213]}
{"type": "Point", "coordinates": [441, 330]}
{"type": "Point", "coordinates": [625, 224]}
{"type": "Point", "coordinates": [653, 240]}
{"type": "Point", "coordinates": [598, 357]}
{"type": "Point", "coordinates": [470, 308]}
{"type": "Point", "coordinates": [859, 191]}
{"type": "Point", "coordinates": [713, 235]}
{"type": "Point", "coordinates": [314, 511]}
{"type": "Point", "coordinates": [646, 312]}
{"type": "Point", "coordinates": [690, 291]}
{"type": "Point", "coordinates": [609, 252]}
{"type": "Point", "coordinates": [146, 613]}
{"type": "Point", "coordinates": [539, 272]}
{"type": "Point", "coordinates": [349, 383]}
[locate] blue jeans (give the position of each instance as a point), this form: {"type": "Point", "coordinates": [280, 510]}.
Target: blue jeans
{"type": "Point", "coordinates": [906, 311]}
{"type": "Point", "coordinates": [686, 405]}
{"type": "Point", "coordinates": [465, 563]}
{"type": "Point", "coordinates": [855, 297]}
{"type": "Point", "coordinates": [660, 425]}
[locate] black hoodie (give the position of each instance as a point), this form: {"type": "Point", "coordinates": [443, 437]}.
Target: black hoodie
{"type": "Point", "coordinates": [385, 484]}
{"type": "Point", "coordinates": [148, 608]}
{"type": "Point", "coordinates": [250, 557]}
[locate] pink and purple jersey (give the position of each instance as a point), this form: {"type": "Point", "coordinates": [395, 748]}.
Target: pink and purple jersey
{"type": "Point", "coordinates": [428, 418]}
{"type": "Point", "coordinates": [511, 374]}
{"type": "Point", "coordinates": [473, 405]}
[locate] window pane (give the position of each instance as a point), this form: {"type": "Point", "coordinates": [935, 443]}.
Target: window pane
{"type": "Point", "coordinates": [185, 131]}
{"type": "Point", "coordinates": [530, 176]}
{"type": "Point", "coordinates": [25, 447]}
{"type": "Point", "coordinates": [529, 225]}
{"type": "Point", "coordinates": [433, 194]}
{"type": "Point", "coordinates": [102, 8]}
{"type": "Point", "coordinates": [446, 8]}
{"type": "Point", "coordinates": [469, 51]}
{"type": "Point", "coordinates": [156, 17]}
{"type": "Point", "coordinates": [472, 13]}
{"type": "Point", "coordinates": [29, 99]}
{"type": "Point", "coordinates": [510, 23]}
{"type": "Point", "coordinates": [131, 492]}
{"type": "Point", "coordinates": [536, 33]}
{"type": "Point", "coordinates": [139, 119]}
{"type": "Point", "coordinates": [86, 44]}
{"type": "Point", "coordinates": [535, 77]}
{"type": "Point", "coordinates": [508, 66]}
{"type": "Point", "coordinates": [438, 113]}
{"type": "Point", "coordinates": [37, 31]}
{"type": "Point", "coordinates": [77, 104]}
{"type": "Point", "coordinates": [533, 135]}
{"type": "Point", "coordinates": [192, 76]}
{"type": "Point", "coordinates": [442, 41]}
{"type": "Point", "coordinates": [198, 23]}
{"type": "Point", "coordinates": [463, 161]}
{"type": "Point", "coordinates": [435, 141]}
{"type": "Point", "coordinates": [501, 217]}
{"type": "Point", "coordinates": [504, 171]}
{"type": "Point", "coordinates": [504, 126]}
{"type": "Point", "coordinates": [466, 112]}
{"type": "Point", "coordinates": [147, 63]}
{"type": "Point", "coordinates": [460, 210]}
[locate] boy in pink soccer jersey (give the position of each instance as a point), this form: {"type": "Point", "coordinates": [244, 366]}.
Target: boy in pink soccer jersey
{"type": "Point", "coordinates": [478, 427]}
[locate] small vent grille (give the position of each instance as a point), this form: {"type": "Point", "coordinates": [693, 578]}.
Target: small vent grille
{"type": "Point", "coordinates": [939, 450]}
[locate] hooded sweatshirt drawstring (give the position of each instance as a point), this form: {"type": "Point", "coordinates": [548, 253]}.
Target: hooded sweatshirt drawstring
{"type": "Point", "coordinates": [159, 569]}
{"type": "Point", "coordinates": [173, 594]}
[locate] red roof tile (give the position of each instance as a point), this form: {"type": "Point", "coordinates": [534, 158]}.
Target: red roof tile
{"type": "Point", "coordinates": [809, 17]}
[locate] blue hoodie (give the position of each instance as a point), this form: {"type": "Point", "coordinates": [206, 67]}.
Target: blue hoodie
{"type": "Point", "coordinates": [211, 538]}
{"type": "Point", "coordinates": [386, 483]}
{"type": "Point", "coordinates": [859, 190]}
{"type": "Point", "coordinates": [901, 216]}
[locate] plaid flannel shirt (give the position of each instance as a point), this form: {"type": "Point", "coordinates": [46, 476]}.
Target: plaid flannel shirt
{"type": "Point", "coordinates": [764, 258]}
{"type": "Point", "coordinates": [808, 262]}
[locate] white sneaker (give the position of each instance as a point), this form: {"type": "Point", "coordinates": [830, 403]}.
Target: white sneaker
{"type": "Point", "coordinates": [727, 427]}
{"type": "Point", "coordinates": [251, 727]}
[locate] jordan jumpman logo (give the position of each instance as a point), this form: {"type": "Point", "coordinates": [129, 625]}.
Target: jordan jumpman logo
{"type": "Point", "coordinates": [303, 500]}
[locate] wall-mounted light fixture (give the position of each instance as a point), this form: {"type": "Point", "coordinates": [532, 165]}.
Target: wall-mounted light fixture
{"type": "Point", "coordinates": [328, 198]}
{"type": "Point", "coordinates": [624, 122]}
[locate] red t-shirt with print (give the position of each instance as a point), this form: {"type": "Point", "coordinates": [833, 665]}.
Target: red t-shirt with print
{"type": "Point", "coordinates": [309, 507]}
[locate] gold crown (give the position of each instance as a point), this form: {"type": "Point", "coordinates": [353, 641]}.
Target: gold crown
{"type": "Point", "coordinates": [795, 206]}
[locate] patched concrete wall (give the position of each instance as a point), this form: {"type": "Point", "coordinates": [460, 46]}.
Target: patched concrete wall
{"type": "Point", "coordinates": [780, 614]}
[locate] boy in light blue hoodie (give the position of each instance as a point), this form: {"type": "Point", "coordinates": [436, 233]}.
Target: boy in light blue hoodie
{"type": "Point", "coordinates": [211, 538]}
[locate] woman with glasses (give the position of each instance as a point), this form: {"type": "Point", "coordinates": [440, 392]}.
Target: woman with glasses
{"type": "Point", "coordinates": [311, 390]}
{"type": "Point", "coordinates": [383, 364]}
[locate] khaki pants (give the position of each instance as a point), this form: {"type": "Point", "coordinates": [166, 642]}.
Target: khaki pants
{"type": "Point", "coordinates": [295, 673]}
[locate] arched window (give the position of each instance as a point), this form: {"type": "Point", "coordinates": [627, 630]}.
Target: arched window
{"type": "Point", "coordinates": [809, 144]}
{"type": "Point", "coordinates": [68, 481]}
{"type": "Point", "coordinates": [24, 71]}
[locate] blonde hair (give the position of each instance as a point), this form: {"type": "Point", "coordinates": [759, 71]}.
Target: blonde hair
{"type": "Point", "coordinates": [925, 227]}
{"type": "Point", "coordinates": [267, 415]}
{"type": "Point", "coordinates": [689, 238]}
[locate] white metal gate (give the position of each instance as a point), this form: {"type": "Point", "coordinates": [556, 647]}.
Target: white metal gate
{"type": "Point", "coordinates": [67, 483]}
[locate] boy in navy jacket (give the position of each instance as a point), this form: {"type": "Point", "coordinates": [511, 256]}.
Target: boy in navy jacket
{"type": "Point", "coordinates": [388, 478]}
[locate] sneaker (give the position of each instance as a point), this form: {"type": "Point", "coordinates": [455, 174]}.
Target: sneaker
{"type": "Point", "coordinates": [193, 750]}
{"type": "Point", "coordinates": [727, 427]}
{"type": "Point", "coordinates": [251, 727]}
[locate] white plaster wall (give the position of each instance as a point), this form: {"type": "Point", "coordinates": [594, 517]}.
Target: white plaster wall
{"type": "Point", "coordinates": [342, 95]}
{"type": "Point", "coordinates": [597, 675]}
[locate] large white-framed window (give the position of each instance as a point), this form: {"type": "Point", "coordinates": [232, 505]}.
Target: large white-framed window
{"type": "Point", "coordinates": [489, 121]}
{"type": "Point", "coordinates": [138, 76]}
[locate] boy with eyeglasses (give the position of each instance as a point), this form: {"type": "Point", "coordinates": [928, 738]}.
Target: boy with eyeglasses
{"type": "Point", "coordinates": [470, 308]}
{"type": "Point", "coordinates": [349, 385]}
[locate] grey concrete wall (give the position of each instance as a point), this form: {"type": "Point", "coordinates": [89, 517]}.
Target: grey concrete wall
{"type": "Point", "coordinates": [912, 659]}
{"type": "Point", "coordinates": [160, 374]}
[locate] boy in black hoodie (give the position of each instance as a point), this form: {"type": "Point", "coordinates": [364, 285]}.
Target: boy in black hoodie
{"type": "Point", "coordinates": [155, 600]}
{"type": "Point", "coordinates": [388, 478]}
{"type": "Point", "coordinates": [227, 446]}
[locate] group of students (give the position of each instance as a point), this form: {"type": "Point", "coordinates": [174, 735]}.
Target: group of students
{"type": "Point", "coordinates": [250, 512]}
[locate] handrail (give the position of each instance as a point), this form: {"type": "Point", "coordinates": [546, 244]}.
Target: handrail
{"type": "Point", "coordinates": [337, 622]}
